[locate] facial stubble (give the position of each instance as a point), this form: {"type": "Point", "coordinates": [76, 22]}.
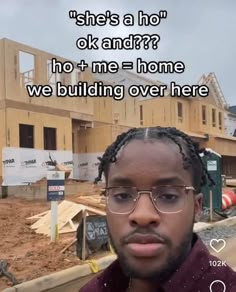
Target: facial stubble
{"type": "Point", "coordinates": [172, 262]}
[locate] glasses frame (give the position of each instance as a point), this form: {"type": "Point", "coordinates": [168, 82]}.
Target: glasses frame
{"type": "Point", "coordinates": [147, 192]}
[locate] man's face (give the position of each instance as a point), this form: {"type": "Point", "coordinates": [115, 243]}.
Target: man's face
{"type": "Point", "coordinates": [144, 165]}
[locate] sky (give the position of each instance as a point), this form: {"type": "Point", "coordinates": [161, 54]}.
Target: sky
{"type": "Point", "coordinates": [200, 33]}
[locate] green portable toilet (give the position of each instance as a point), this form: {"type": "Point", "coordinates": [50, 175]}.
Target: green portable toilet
{"type": "Point", "coordinates": [212, 163]}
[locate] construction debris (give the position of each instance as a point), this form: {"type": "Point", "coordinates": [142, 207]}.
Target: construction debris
{"type": "Point", "coordinates": [231, 182]}
{"type": "Point", "coordinates": [74, 240]}
{"type": "Point", "coordinates": [60, 167]}
{"type": "Point", "coordinates": [38, 216]}
{"type": "Point", "coordinates": [69, 217]}
{"type": "Point", "coordinates": [29, 254]}
{"type": "Point", "coordinates": [95, 201]}
{"type": "Point", "coordinates": [4, 272]}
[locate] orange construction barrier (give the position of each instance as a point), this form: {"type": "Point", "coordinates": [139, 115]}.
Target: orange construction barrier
{"type": "Point", "coordinates": [228, 199]}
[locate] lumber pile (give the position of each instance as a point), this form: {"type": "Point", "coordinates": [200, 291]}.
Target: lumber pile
{"type": "Point", "coordinates": [95, 201]}
{"type": "Point", "coordinates": [231, 182]}
{"type": "Point", "coordinates": [70, 211]}
{"type": "Point", "coordinates": [69, 218]}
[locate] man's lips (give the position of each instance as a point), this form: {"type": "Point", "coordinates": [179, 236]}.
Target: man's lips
{"type": "Point", "coordinates": [144, 245]}
{"type": "Point", "coordinates": [144, 238]}
{"type": "Point", "coordinates": [144, 249]}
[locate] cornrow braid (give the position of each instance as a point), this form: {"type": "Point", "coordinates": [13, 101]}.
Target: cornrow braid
{"type": "Point", "coordinates": [188, 149]}
{"type": "Point", "coordinates": [108, 156]}
{"type": "Point", "coordinates": [195, 152]}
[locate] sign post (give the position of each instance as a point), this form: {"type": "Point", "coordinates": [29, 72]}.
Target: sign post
{"type": "Point", "coordinates": [55, 193]}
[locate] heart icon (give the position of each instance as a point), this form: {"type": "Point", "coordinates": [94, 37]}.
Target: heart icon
{"type": "Point", "coordinates": [220, 244]}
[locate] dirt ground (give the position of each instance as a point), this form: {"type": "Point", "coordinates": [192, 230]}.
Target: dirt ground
{"type": "Point", "coordinates": [30, 255]}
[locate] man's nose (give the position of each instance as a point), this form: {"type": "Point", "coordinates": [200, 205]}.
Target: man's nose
{"type": "Point", "coordinates": [145, 212]}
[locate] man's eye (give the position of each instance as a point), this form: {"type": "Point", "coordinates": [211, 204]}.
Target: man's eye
{"type": "Point", "coordinates": [122, 196]}
{"type": "Point", "coordinates": [169, 197]}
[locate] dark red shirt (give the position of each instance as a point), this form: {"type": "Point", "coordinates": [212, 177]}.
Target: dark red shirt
{"type": "Point", "coordinates": [194, 275]}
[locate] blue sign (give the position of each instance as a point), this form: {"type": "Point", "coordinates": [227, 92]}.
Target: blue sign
{"type": "Point", "coordinates": [55, 185]}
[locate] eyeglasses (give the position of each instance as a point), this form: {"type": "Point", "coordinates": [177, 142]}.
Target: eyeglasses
{"type": "Point", "coordinates": [166, 199]}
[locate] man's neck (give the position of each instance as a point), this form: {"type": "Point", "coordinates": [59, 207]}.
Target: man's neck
{"type": "Point", "coordinates": [136, 285]}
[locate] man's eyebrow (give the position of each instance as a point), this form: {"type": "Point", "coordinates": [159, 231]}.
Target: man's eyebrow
{"type": "Point", "coordinates": [124, 181]}
{"type": "Point", "coordinates": [169, 181]}
{"type": "Point", "coordinates": [120, 180]}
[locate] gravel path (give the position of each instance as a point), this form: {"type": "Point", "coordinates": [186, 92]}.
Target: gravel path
{"type": "Point", "coordinates": [218, 232]}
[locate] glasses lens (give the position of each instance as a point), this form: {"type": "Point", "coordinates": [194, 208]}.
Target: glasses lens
{"type": "Point", "coordinates": [121, 199]}
{"type": "Point", "coordinates": [169, 199]}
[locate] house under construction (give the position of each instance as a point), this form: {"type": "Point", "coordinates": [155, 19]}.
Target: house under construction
{"type": "Point", "coordinates": [88, 125]}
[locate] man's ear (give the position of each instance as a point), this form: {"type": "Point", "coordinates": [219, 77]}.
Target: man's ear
{"type": "Point", "coordinates": [198, 206]}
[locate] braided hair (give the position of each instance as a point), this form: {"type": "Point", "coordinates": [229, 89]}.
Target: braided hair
{"type": "Point", "coordinates": [188, 149]}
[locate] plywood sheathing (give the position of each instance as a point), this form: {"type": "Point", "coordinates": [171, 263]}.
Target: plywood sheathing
{"type": "Point", "coordinates": [69, 216]}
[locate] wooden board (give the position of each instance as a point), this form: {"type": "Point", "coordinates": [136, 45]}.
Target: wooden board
{"type": "Point", "coordinates": [66, 211]}
{"type": "Point", "coordinates": [69, 216]}
{"type": "Point", "coordinates": [47, 217]}
{"type": "Point", "coordinates": [38, 216]}
{"type": "Point", "coordinates": [231, 182]}
{"type": "Point", "coordinates": [95, 211]}
{"type": "Point", "coordinates": [84, 236]}
{"type": "Point", "coordinates": [94, 202]}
